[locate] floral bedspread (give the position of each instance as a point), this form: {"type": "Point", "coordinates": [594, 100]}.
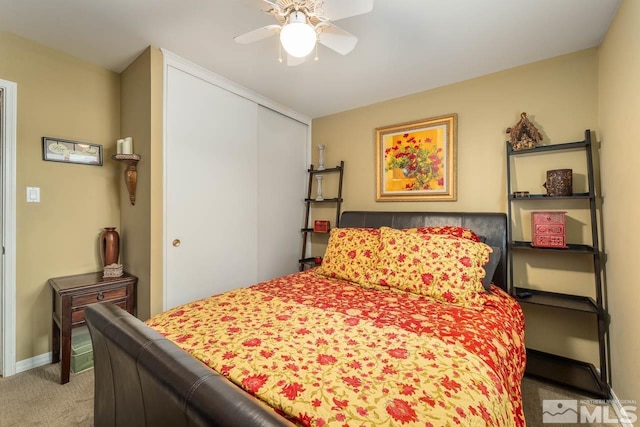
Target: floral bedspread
{"type": "Point", "coordinates": [327, 352]}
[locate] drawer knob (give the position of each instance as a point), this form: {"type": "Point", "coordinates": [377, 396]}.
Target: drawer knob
{"type": "Point", "coordinates": [176, 243]}
{"type": "Point", "coordinates": [100, 296]}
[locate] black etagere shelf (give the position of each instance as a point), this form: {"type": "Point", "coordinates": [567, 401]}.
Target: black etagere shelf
{"type": "Point", "coordinates": [558, 300]}
{"type": "Point", "coordinates": [576, 374]}
{"type": "Point", "coordinates": [567, 146]}
{"type": "Point", "coordinates": [307, 230]}
{"type": "Point", "coordinates": [333, 200]}
{"type": "Point", "coordinates": [538, 197]}
{"type": "Point", "coordinates": [571, 248]}
{"type": "Point", "coordinates": [554, 368]}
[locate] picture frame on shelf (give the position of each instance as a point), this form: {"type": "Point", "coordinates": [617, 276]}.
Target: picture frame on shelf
{"type": "Point", "coordinates": [416, 161]}
{"type": "Point", "coordinates": [66, 151]}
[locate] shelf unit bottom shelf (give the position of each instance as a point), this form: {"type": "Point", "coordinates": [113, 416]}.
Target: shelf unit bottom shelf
{"type": "Point", "coordinates": [575, 374]}
{"type": "Point", "coordinates": [307, 263]}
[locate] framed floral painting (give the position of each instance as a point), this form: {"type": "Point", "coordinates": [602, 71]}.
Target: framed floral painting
{"type": "Point", "coordinates": [416, 161]}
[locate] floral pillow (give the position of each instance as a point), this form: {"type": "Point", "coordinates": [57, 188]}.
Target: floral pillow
{"type": "Point", "coordinates": [351, 254]}
{"type": "Point", "coordinates": [491, 266]}
{"type": "Point", "coordinates": [450, 230]}
{"type": "Point", "coordinates": [444, 267]}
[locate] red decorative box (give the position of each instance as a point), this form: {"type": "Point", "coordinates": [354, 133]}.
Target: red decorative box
{"type": "Point", "coordinates": [321, 226]}
{"type": "Point", "coordinates": [548, 229]}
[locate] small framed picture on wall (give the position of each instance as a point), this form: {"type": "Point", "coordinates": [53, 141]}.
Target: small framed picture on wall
{"type": "Point", "coordinates": [66, 151]}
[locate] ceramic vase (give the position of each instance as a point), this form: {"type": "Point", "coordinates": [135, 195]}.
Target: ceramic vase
{"type": "Point", "coordinates": [109, 246]}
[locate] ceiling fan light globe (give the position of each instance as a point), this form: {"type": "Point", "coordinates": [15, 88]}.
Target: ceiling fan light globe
{"type": "Point", "coordinates": [298, 39]}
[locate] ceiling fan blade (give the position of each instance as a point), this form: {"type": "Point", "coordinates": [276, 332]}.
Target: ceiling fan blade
{"type": "Point", "coordinates": [293, 61]}
{"type": "Point", "coordinates": [259, 34]}
{"type": "Point", "coordinates": [340, 9]}
{"type": "Point", "coordinates": [337, 39]}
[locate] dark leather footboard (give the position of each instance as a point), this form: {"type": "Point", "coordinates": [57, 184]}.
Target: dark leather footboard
{"type": "Point", "coordinates": [143, 379]}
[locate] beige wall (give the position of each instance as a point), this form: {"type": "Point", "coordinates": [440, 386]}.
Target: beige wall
{"type": "Point", "coordinates": [61, 96]}
{"type": "Point", "coordinates": [58, 96]}
{"type": "Point", "coordinates": [141, 117]}
{"type": "Point", "coordinates": [560, 95]}
{"type": "Point", "coordinates": [619, 116]}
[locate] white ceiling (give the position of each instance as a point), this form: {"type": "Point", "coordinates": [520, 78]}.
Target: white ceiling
{"type": "Point", "coordinates": [405, 46]}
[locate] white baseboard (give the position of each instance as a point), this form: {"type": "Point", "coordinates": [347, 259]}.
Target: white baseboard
{"type": "Point", "coordinates": [34, 362]}
{"type": "Point", "coordinates": [617, 407]}
{"type": "Point", "coordinates": [623, 417]}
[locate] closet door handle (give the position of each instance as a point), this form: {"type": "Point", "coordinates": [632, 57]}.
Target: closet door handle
{"type": "Point", "coordinates": [176, 243]}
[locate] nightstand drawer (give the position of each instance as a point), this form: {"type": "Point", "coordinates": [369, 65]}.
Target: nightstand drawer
{"type": "Point", "coordinates": [100, 296]}
{"type": "Point", "coordinates": [77, 316]}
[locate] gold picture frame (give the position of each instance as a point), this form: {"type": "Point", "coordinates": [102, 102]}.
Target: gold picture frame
{"type": "Point", "coordinates": [416, 161]}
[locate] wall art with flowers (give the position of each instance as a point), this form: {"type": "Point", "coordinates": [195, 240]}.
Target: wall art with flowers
{"type": "Point", "coordinates": [416, 160]}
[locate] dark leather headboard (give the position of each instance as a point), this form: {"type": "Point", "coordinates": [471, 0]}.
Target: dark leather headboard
{"type": "Point", "coordinates": [492, 226]}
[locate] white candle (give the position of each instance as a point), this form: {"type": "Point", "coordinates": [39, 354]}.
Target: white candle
{"type": "Point", "coordinates": [127, 145]}
{"type": "Point", "coordinates": [119, 146]}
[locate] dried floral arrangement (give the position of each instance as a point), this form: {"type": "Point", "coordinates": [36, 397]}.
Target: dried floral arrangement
{"type": "Point", "coordinates": [524, 134]}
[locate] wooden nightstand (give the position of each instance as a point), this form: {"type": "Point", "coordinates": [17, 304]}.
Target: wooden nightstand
{"type": "Point", "coordinates": [71, 294]}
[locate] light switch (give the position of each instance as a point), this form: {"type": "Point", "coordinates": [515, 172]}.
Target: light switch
{"type": "Point", "coordinates": [33, 194]}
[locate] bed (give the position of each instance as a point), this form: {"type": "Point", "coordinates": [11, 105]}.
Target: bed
{"type": "Point", "coordinates": [356, 341]}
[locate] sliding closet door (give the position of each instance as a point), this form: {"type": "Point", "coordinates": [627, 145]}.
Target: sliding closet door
{"type": "Point", "coordinates": [210, 189]}
{"type": "Point", "coordinates": [282, 159]}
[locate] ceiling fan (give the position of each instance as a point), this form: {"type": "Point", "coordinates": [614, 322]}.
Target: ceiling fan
{"type": "Point", "coordinates": [302, 23]}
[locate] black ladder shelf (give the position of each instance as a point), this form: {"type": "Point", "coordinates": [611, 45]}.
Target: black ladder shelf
{"type": "Point", "coordinates": [576, 374]}
{"type": "Point", "coordinates": [307, 230]}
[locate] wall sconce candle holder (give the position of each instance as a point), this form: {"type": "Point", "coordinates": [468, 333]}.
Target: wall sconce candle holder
{"type": "Point", "coordinates": [130, 172]}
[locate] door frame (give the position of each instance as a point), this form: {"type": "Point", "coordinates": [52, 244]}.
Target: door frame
{"type": "Point", "coordinates": [8, 265]}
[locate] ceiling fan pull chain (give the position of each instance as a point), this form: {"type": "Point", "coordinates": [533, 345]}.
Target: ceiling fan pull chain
{"type": "Point", "coordinates": [279, 52]}
{"type": "Point", "coordinates": [316, 58]}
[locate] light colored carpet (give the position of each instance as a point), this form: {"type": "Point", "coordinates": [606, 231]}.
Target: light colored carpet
{"type": "Point", "coordinates": [535, 392]}
{"type": "Point", "coordinates": [36, 398]}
